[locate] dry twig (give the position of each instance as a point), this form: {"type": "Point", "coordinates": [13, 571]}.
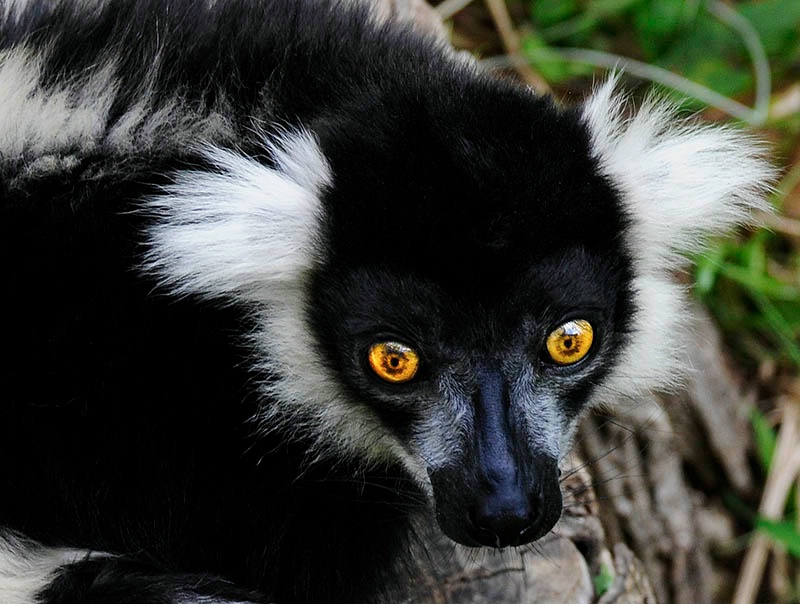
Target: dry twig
{"type": "Point", "coordinates": [510, 38]}
{"type": "Point", "coordinates": [782, 475]}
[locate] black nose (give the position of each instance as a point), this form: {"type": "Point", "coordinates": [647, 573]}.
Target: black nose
{"type": "Point", "coordinates": [506, 519]}
{"type": "Point", "coordinates": [500, 513]}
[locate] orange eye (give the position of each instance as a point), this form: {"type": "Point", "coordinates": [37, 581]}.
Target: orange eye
{"type": "Point", "coordinates": [393, 362]}
{"type": "Point", "coordinates": [571, 342]}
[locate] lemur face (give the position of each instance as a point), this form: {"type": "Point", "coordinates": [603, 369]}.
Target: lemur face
{"type": "Point", "coordinates": [446, 290]}
{"type": "Point", "coordinates": [482, 389]}
{"type": "Point", "coordinates": [474, 292]}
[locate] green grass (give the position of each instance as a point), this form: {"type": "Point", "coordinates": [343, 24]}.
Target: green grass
{"type": "Point", "coordinates": [700, 41]}
{"type": "Point", "coordinates": [759, 310]}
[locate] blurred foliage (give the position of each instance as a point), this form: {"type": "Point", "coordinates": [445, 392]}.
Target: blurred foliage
{"type": "Point", "coordinates": [783, 532]}
{"type": "Point", "coordinates": [678, 35]}
{"type": "Point", "coordinates": [603, 580]}
{"type": "Point", "coordinates": [765, 439]}
{"type": "Point", "coordinates": [750, 302]}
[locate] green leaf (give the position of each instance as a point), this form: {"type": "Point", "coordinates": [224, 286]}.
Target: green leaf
{"type": "Point", "coordinates": [761, 283]}
{"type": "Point", "coordinates": [779, 326]}
{"type": "Point", "coordinates": [782, 532]}
{"type": "Point", "coordinates": [765, 438]}
{"type": "Point", "coordinates": [603, 580]}
{"type": "Point", "coordinates": [549, 12]}
{"type": "Point", "coordinates": [777, 23]}
{"type": "Point", "coordinates": [711, 54]}
{"type": "Point", "coordinates": [657, 22]}
{"type": "Point", "coordinates": [548, 63]}
{"type": "Point", "coordinates": [707, 268]}
{"type": "Point", "coordinates": [586, 21]}
{"type": "Point", "coordinates": [755, 253]}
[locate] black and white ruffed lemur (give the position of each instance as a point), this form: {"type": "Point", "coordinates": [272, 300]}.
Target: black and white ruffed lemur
{"type": "Point", "coordinates": [280, 276]}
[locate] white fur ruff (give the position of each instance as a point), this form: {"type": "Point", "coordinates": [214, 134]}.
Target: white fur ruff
{"type": "Point", "coordinates": [680, 183]}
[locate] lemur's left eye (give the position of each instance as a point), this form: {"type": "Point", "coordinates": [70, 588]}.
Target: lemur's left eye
{"type": "Point", "coordinates": [393, 362]}
{"type": "Point", "coordinates": [570, 342]}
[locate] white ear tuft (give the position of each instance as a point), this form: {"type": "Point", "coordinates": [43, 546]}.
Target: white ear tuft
{"type": "Point", "coordinates": [237, 230]}
{"type": "Point", "coordinates": [679, 181]}
{"type": "Point", "coordinates": [249, 232]}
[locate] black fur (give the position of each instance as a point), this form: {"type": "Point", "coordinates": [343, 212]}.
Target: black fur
{"type": "Point", "coordinates": [461, 206]}
{"type": "Point", "coordinates": [130, 582]}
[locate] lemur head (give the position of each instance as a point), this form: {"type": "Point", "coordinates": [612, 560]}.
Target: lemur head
{"type": "Point", "coordinates": [448, 282]}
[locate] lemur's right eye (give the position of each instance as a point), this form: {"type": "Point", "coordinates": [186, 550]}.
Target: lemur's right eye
{"type": "Point", "coordinates": [393, 362]}
{"type": "Point", "coordinates": [570, 342]}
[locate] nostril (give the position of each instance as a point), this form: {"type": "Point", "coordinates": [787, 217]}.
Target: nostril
{"type": "Point", "coordinates": [498, 509]}
{"type": "Point", "coordinates": [502, 526]}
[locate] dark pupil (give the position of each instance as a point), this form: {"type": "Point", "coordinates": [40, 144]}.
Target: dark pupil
{"type": "Point", "coordinates": [568, 343]}
{"type": "Point", "coordinates": [394, 362]}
